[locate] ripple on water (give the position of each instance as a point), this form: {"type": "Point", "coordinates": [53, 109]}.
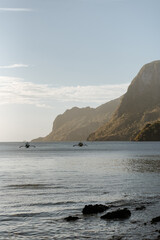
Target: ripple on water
{"type": "Point", "coordinates": [33, 186]}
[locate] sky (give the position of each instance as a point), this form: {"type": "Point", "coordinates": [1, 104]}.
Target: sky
{"type": "Point", "coordinates": [57, 54]}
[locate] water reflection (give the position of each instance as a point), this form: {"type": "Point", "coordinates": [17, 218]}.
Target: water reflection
{"type": "Point", "coordinates": [142, 165]}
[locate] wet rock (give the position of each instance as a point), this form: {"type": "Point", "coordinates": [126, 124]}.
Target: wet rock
{"type": "Point", "coordinates": [155, 220]}
{"type": "Point", "coordinates": [134, 222]}
{"type": "Point", "coordinates": [71, 218]}
{"type": "Point", "coordinates": [118, 214]}
{"type": "Point", "coordinates": [116, 238]}
{"type": "Point", "coordinates": [140, 208]}
{"type": "Point", "coordinates": [93, 209]}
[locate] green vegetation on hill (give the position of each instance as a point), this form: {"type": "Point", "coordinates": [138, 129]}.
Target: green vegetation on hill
{"type": "Point", "coordinates": [151, 132]}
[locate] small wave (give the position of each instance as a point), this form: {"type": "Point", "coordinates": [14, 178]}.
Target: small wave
{"type": "Point", "coordinates": [6, 219]}
{"type": "Point", "coordinates": [15, 216]}
{"type": "Point", "coordinates": [52, 203]}
{"type": "Point", "coordinates": [23, 215]}
{"type": "Point", "coordinates": [28, 186]}
{"type": "Point", "coordinates": [132, 202]}
{"type": "Point", "coordinates": [33, 186]}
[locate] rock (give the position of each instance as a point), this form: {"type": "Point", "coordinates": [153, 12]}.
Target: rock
{"type": "Point", "coordinates": [155, 220]}
{"type": "Point", "coordinates": [115, 238]}
{"type": "Point", "coordinates": [140, 208]}
{"type": "Point", "coordinates": [71, 218]}
{"type": "Point", "coordinates": [118, 214]}
{"type": "Point", "coordinates": [134, 222]}
{"type": "Point", "coordinates": [92, 209]}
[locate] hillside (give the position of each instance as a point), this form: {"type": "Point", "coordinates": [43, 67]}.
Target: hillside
{"type": "Point", "coordinates": [151, 132]}
{"type": "Point", "coordinates": [77, 123]}
{"type": "Point", "coordinates": [140, 105]}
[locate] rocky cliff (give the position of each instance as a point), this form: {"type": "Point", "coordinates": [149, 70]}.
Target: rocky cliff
{"type": "Point", "coordinates": [77, 123]}
{"type": "Point", "coordinates": [151, 132]}
{"type": "Point", "coordinates": [140, 104]}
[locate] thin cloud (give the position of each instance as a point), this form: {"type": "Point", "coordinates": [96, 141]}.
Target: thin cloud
{"type": "Point", "coordinates": [17, 91]}
{"type": "Point", "coordinates": [14, 66]}
{"type": "Point", "coordinates": [16, 9]}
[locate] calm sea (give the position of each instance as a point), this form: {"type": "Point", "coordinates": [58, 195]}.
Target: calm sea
{"type": "Point", "coordinates": [41, 186]}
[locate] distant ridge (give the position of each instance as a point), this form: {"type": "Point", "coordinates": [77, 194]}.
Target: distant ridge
{"type": "Point", "coordinates": [140, 105]}
{"type": "Point", "coordinates": [77, 123]}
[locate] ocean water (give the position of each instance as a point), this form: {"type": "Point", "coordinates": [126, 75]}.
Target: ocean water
{"type": "Point", "coordinates": [41, 186]}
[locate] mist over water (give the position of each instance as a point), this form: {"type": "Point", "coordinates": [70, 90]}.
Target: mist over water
{"type": "Point", "coordinates": [41, 186]}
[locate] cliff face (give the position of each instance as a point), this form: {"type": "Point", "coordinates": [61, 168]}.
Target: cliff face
{"type": "Point", "coordinates": [139, 105]}
{"type": "Point", "coordinates": [151, 132]}
{"type": "Point", "coordinates": [77, 123]}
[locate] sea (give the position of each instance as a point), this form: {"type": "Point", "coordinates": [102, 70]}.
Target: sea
{"type": "Point", "coordinates": [42, 185]}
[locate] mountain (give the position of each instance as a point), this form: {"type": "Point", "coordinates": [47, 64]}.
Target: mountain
{"type": "Point", "coordinates": [151, 132]}
{"type": "Point", "coordinates": [77, 123]}
{"type": "Point", "coordinates": [140, 104]}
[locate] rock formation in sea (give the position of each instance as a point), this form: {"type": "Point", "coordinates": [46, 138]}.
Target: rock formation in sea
{"type": "Point", "coordinates": [77, 123]}
{"type": "Point", "coordinates": [93, 209]}
{"type": "Point", "coordinates": [117, 214]}
{"type": "Point", "coordinates": [140, 105]}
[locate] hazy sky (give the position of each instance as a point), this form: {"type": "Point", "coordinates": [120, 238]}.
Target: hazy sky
{"type": "Point", "coordinates": [56, 54]}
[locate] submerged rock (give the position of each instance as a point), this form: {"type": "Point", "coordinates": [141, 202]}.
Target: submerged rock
{"type": "Point", "coordinates": [155, 220]}
{"type": "Point", "coordinates": [71, 218]}
{"type": "Point", "coordinates": [140, 208]}
{"type": "Point", "coordinates": [116, 238]}
{"type": "Point", "coordinates": [93, 209]}
{"type": "Point", "coordinates": [118, 214]}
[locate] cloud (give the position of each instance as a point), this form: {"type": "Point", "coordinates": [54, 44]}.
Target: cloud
{"type": "Point", "coordinates": [16, 9]}
{"type": "Point", "coordinates": [14, 66]}
{"type": "Point", "coordinates": [17, 91]}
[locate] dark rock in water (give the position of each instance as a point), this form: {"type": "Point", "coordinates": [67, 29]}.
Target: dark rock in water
{"type": "Point", "coordinates": [118, 214]}
{"type": "Point", "coordinates": [140, 208]}
{"type": "Point", "coordinates": [71, 218]}
{"type": "Point", "coordinates": [155, 220]}
{"type": "Point", "coordinates": [92, 209]}
{"type": "Point", "coordinates": [116, 238]}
